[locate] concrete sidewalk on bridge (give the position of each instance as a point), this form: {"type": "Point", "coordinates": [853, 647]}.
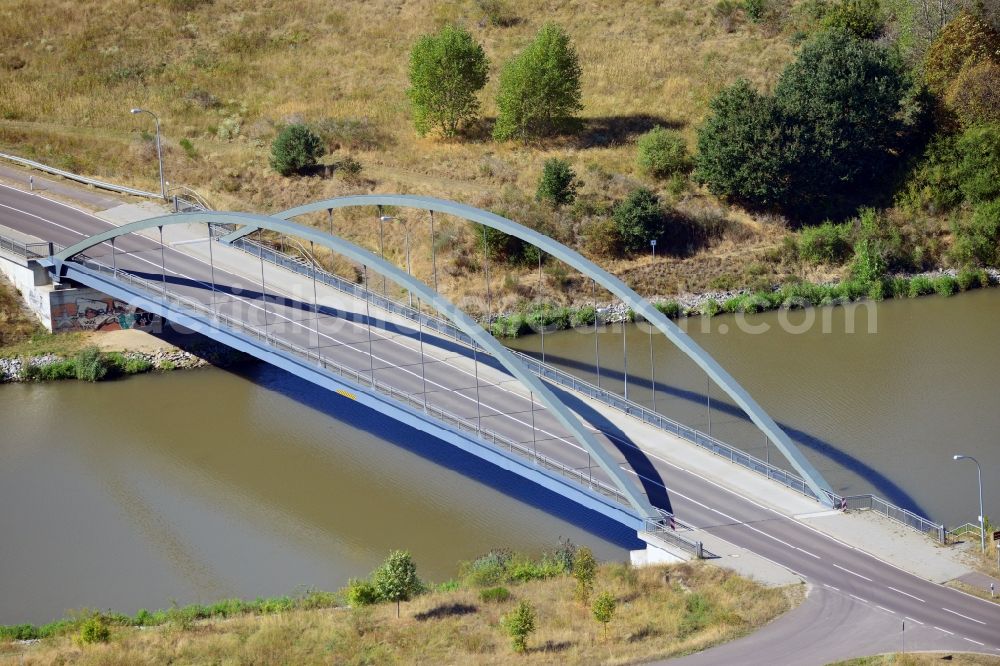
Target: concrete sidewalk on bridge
{"type": "Point", "coordinates": [865, 531]}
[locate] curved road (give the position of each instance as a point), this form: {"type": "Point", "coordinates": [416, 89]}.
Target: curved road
{"type": "Point", "coordinates": [850, 587]}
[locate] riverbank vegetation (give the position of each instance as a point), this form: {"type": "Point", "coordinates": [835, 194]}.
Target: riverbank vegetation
{"type": "Point", "coordinates": [89, 364]}
{"type": "Point", "coordinates": [659, 130]}
{"type": "Point", "coordinates": [499, 604]}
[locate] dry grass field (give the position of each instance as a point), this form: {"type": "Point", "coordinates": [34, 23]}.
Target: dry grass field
{"type": "Point", "coordinates": [223, 75]}
{"type": "Point", "coordinates": [661, 612]}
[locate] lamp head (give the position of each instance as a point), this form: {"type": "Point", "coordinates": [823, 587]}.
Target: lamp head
{"type": "Point", "coordinates": [386, 218]}
{"type": "Point", "coordinates": [957, 457]}
{"type": "Point", "coordinates": [136, 111]}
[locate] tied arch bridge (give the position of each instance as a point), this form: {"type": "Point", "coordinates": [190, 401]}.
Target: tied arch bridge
{"type": "Point", "coordinates": [469, 391]}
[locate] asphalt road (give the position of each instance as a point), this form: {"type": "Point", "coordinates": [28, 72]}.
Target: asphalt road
{"type": "Point", "coordinates": [857, 581]}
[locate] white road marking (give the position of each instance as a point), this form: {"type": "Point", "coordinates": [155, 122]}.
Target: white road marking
{"type": "Point", "coordinates": [886, 609]}
{"type": "Point", "coordinates": [854, 573]}
{"type": "Point", "coordinates": [907, 617]}
{"type": "Point", "coordinates": [972, 641]}
{"type": "Point", "coordinates": [817, 514]}
{"type": "Point", "coordinates": [831, 587]}
{"type": "Point", "coordinates": [950, 633]}
{"type": "Point", "coordinates": [803, 550]}
{"type": "Point", "coordinates": [859, 598]}
{"type": "Point", "coordinates": [906, 594]}
{"type": "Point", "coordinates": [948, 610]}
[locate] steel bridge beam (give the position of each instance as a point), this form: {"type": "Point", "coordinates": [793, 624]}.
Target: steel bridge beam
{"type": "Point", "coordinates": [820, 487]}
{"type": "Point", "coordinates": [564, 415]}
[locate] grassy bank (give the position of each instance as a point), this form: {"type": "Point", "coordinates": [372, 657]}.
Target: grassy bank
{"type": "Point", "coordinates": [791, 295]}
{"type": "Point", "coordinates": [660, 612]}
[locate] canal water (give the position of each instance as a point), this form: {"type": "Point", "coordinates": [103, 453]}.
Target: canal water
{"type": "Point", "coordinates": [878, 410]}
{"type": "Point", "coordinates": [198, 485]}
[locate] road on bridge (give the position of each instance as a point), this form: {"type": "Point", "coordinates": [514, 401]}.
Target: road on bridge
{"type": "Point", "coordinates": [947, 619]}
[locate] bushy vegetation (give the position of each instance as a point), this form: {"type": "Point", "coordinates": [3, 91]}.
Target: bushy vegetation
{"type": "Point", "coordinates": [965, 41]}
{"type": "Point", "coordinates": [539, 88]}
{"type": "Point", "coordinates": [98, 625]}
{"type": "Point", "coordinates": [861, 18]}
{"type": "Point", "coordinates": [978, 240]}
{"type": "Point", "coordinates": [448, 623]}
{"type": "Point", "coordinates": [827, 243]}
{"type": "Point", "coordinates": [662, 153]}
{"type": "Point", "coordinates": [88, 364]}
{"type": "Point", "coordinates": [831, 129]}
{"type": "Point", "coordinates": [557, 183]}
{"type": "Point", "coordinates": [295, 149]}
{"type": "Point", "coordinates": [95, 629]}
{"type": "Point", "coordinates": [638, 220]}
{"type": "Point", "coordinates": [494, 594]}
{"type": "Point", "coordinates": [447, 71]}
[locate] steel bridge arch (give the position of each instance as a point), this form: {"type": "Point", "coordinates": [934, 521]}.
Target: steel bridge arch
{"type": "Point", "coordinates": [820, 487]}
{"type": "Point", "coordinates": [638, 500]}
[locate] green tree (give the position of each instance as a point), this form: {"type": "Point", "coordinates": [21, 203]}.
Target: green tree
{"type": "Point", "coordinates": [638, 220]}
{"type": "Point", "coordinates": [965, 41]}
{"type": "Point", "coordinates": [584, 572]}
{"type": "Point", "coordinates": [745, 148]}
{"type": "Point", "coordinates": [447, 69]}
{"type": "Point", "coordinates": [844, 95]}
{"type": "Point", "coordinates": [974, 96]}
{"type": "Point", "coordinates": [604, 610]}
{"type": "Point", "coordinates": [539, 88]}
{"type": "Point", "coordinates": [396, 580]}
{"type": "Point", "coordinates": [295, 148]}
{"type": "Point", "coordinates": [662, 153]}
{"type": "Point", "coordinates": [557, 184]}
{"type": "Point", "coordinates": [824, 141]}
{"type": "Point", "coordinates": [519, 624]}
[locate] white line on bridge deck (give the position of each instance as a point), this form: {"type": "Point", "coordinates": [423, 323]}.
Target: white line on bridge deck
{"type": "Point", "coordinates": [948, 610]}
{"type": "Point", "coordinates": [854, 573]}
{"type": "Point", "coordinates": [906, 594]}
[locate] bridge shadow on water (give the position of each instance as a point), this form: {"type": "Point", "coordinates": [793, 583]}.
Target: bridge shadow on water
{"type": "Point", "coordinates": [649, 476]}
{"type": "Point", "coordinates": [429, 448]}
{"type": "Point", "coordinates": [879, 482]}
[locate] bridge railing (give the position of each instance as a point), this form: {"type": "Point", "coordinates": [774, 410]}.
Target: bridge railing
{"type": "Point", "coordinates": [78, 178]}
{"type": "Point", "coordinates": [853, 502]}
{"type": "Point", "coordinates": [662, 530]}
{"type": "Point", "coordinates": [895, 513]}
{"type": "Point", "coordinates": [782, 476]}
{"type": "Point", "coordinates": [362, 378]}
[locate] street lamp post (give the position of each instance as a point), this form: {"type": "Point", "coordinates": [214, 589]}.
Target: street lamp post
{"type": "Point", "coordinates": [982, 518]}
{"type": "Point", "coordinates": [159, 150]}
